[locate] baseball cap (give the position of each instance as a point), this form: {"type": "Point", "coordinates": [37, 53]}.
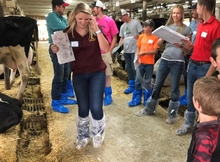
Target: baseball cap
{"type": "Point", "coordinates": [97, 4]}
{"type": "Point", "coordinates": [122, 12]}
{"type": "Point", "coordinates": [59, 2]}
{"type": "Point", "coordinates": [148, 22]}
{"type": "Point", "coordinates": [193, 6]}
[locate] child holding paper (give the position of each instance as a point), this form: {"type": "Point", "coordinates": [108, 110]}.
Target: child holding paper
{"type": "Point", "coordinates": [146, 49]}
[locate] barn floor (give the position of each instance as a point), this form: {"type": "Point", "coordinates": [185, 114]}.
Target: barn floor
{"type": "Point", "coordinates": [128, 137]}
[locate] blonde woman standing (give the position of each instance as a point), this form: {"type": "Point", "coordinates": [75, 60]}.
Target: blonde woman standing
{"type": "Point", "coordinates": [172, 61]}
{"type": "Point", "coordinates": [89, 74]}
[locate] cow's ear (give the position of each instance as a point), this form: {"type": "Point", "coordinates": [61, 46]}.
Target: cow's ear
{"type": "Point", "coordinates": [213, 62]}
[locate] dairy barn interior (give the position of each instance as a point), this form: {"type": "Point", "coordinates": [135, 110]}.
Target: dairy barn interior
{"type": "Point", "coordinates": [47, 136]}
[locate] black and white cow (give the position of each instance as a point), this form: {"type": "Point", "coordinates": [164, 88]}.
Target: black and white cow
{"type": "Point", "coordinates": [14, 73]}
{"type": "Point", "coordinates": [16, 36]}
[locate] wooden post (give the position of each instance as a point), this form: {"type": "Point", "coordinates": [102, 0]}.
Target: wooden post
{"type": "Point", "coordinates": [144, 12]}
{"type": "Point", "coordinates": [1, 9]}
{"type": "Point", "coordinates": [6, 70]}
{"type": "Point", "coordinates": [6, 78]}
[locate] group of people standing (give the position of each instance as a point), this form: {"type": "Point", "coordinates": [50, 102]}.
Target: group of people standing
{"type": "Point", "coordinates": [93, 36]}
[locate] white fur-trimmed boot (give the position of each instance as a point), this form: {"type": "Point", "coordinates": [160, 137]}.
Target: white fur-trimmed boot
{"type": "Point", "coordinates": [189, 123]}
{"type": "Point", "coordinates": [98, 132]}
{"type": "Point", "coordinates": [173, 112]}
{"type": "Point", "coordinates": [83, 136]}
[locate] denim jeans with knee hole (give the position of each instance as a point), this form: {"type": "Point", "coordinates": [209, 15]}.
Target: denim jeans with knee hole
{"type": "Point", "coordinates": [194, 72]}
{"type": "Point", "coordinates": [175, 69]}
{"type": "Point", "coordinates": [89, 89]}
{"type": "Point", "coordinates": [146, 71]}
{"type": "Point", "coordinates": [129, 61]}
{"type": "Point", "coordinates": [61, 75]}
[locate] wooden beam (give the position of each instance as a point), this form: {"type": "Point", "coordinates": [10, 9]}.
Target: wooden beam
{"type": "Point", "coordinates": [10, 4]}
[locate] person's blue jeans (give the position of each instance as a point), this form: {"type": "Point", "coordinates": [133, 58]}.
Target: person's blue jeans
{"type": "Point", "coordinates": [89, 89]}
{"type": "Point", "coordinates": [147, 70]}
{"type": "Point", "coordinates": [194, 72]}
{"type": "Point", "coordinates": [175, 69]}
{"type": "Point", "coordinates": [129, 61]}
{"type": "Point", "coordinates": [61, 75]}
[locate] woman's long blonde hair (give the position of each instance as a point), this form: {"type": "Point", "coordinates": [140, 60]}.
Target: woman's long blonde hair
{"type": "Point", "coordinates": [170, 20]}
{"type": "Point", "coordinates": [81, 7]}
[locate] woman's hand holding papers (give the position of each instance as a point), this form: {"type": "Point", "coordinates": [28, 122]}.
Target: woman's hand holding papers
{"type": "Point", "coordinates": [178, 45]}
{"type": "Point", "coordinates": [187, 44]}
{"type": "Point", "coordinates": [54, 48]}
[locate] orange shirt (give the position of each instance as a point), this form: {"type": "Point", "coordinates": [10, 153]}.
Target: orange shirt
{"type": "Point", "coordinates": [147, 43]}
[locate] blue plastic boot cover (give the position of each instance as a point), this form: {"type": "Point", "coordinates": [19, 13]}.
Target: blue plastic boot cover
{"type": "Point", "coordinates": [131, 87]}
{"type": "Point", "coordinates": [70, 89]}
{"type": "Point", "coordinates": [183, 99]}
{"type": "Point", "coordinates": [108, 96]}
{"type": "Point", "coordinates": [136, 98]}
{"type": "Point", "coordinates": [66, 101]}
{"type": "Point", "coordinates": [58, 107]}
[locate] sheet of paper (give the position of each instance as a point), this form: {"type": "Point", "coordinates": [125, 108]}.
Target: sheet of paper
{"type": "Point", "coordinates": [65, 53]}
{"type": "Point", "coordinates": [169, 35]}
{"type": "Point", "coordinates": [116, 48]}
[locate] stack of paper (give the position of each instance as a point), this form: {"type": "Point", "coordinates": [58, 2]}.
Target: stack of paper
{"type": "Point", "coordinates": [169, 35]}
{"type": "Point", "coordinates": [65, 53]}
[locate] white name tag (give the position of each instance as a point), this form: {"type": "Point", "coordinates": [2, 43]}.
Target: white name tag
{"type": "Point", "coordinates": [74, 44]}
{"type": "Point", "coordinates": [204, 34]}
{"type": "Point", "coordinates": [150, 41]}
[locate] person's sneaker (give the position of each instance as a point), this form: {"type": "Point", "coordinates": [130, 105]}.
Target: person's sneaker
{"type": "Point", "coordinates": [172, 119]}
{"type": "Point", "coordinates": [183, 130]}
{"type": "Point", "coordinates": [80, 144]}
{"type": "Point", "coordinates": [144, 112]}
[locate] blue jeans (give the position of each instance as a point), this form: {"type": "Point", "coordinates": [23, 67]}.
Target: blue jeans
{"type": "Point", "coordinates": [194, 72]}
{"type": "Point", "coordinates": [89, 89]}
{"type": "Point", "coordinates": [129, 61]}
{"type": "Point", "coordinates": [61, 75]}
{"type": "Point", "coordinates": [175, 69]}
{"type": "Point", "coordinates": [146, 69]}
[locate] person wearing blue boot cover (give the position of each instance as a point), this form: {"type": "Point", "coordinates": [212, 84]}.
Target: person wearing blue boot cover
{"type": "Point", "coordinates": [146, 49]}
{"type": "Point", "coordinates": [129, 33]}
{"type": "Point", "coordinates": [110, 30]}
{"type": "Point", "coordinates": [56, 22]}
{"type": "Point", "coordinates": [193, 25]}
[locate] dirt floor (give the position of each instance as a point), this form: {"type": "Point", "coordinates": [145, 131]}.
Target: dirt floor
{"type": "Point", "coordinates": [47, 136]}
